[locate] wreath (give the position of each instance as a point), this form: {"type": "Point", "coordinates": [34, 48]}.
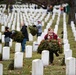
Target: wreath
{"type": "Point", "coordinates": [33, 30]}
{"type": "Point", "coordinates": [17, 36]}
{"type": "Point", "coordinates": [50, 45]}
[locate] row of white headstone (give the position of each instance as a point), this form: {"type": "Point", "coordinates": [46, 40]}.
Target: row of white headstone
{"type": "Point", "coordinates": [7, 21]}
{"type": "Point", "coordinates": [18, 46]}
{"type": "Point", "coordinates": [69, 60]}
{"type": "Point", "coordinates": [38, 64]}
{"type": "Point", "coordinates": [37, 70]}
{"type": "Point", "coordinates": [10, 21]}
{"type": "Point", "coordinates": [73, 29]}
{"type": "Point", "coordinates": [18, 59]}
{"type": "Point", "coordinates": [28, 10]}
{"type": "Point", "coordinates": [30, 6]}
{"type": "Point", "coordinates": [18, 54]}
{"type": "Point", "coordinates": [57, 23]}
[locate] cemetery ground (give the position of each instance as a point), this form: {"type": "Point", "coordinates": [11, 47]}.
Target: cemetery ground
{"type": "Point", "coordinates": [54, 69]}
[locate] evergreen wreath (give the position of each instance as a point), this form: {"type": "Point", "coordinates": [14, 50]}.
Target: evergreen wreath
{"type": "Point", "coordinates": [17, 36]}
{"type": "Point", "coordinates": [50, 45]}
{"type": "Point", "coordinates": [33, 30]}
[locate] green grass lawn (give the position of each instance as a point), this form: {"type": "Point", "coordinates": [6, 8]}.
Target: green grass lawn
{"type": "Point", "coordinates": [55, 69]}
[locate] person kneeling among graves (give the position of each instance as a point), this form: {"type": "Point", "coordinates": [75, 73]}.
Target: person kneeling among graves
{"type": "Point", "coordinates": [51, 36]}
{"type": "Point", "coordinates": [7, 34]}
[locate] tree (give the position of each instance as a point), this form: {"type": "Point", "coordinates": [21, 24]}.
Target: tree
{"type": "Point", "coordinates": [72, 4]}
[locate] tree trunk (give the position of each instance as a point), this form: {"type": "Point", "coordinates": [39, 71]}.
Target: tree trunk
{"type": "Point", "coordinates": [75, 14]}
{"type": "Point", "coordinates": [7, 4]}
{"type": "Point", "coordinates": [71, 15]}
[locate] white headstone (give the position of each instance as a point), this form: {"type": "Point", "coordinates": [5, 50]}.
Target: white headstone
{"type": "Point", "coordinates": [42, 23]}
{"type": "Point", "coordinates": [0, 48]}
{"type": "Point", "coordinates": [75, 38]}
{"type": "Point", "coordinates": [3, 38]}
{"type": "Point", "coordinates": [42, 35]}
{"type": "Point", "coordinates": [18, 28]}
{"type": "Point", "coordinates": [3, 28]}
{"type": "Point", "coordinates": [30, 37]}
{"type": "Point", "coordinates": [6, 53]}
{"type": "Point", "coordinates": [18, 60]}
{"type": "Point", "coordinates": [10, 43]}
{"type": "Point", "coordinates": [45, 31]}
{"type": "Point", "coordinates": [39, 39]}
{"type": "Point", "coordinates": [66, 47]}
{"type": "Point", "coordinates": [17, 47]}
{"type": "Point", "coordinates": [28, 51]}
{"type": "Point", "coordinates": [68, 53]}
{"type": "Point", "coordinates": [0, 35]}
{"type": "Point", "coordinates": [1, 69]}
{"type": "Point", "coordinates": [9, 25]}
{"type": "Point", "coordinates": [53, 16]}
{"type": "Point", "coordinates": [71, 66]}
{"type": "Point", "coordinates": [37, 67]}
{"type": "Point", "coordinates": [13, 27]}
{"type": "Point", "coordinates": [65, 41]}
{"type": "Point", "coordinates": [45, 57]}
{"type": "Point", "coordinates": [35, 45]}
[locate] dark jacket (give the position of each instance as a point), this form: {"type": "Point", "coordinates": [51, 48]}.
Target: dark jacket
{"type": "Point", "coordinates": [7, 34]}
{"type": "Point", "coordinates": [24, 32]}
